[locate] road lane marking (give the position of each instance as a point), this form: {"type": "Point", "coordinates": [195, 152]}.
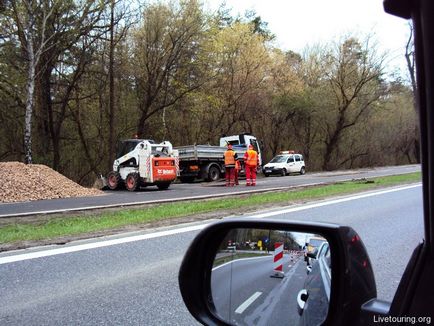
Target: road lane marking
{"type": "Point", "coordinates": [332, 202]}
{"type": "Point", "coordinates": [243, 259]}
{"type": "Point", "coordinates": [105, 243]}
{"type": "Point", "coordinates": [98, 244]}
{"type": "Point", "coordinates": [248, 302]}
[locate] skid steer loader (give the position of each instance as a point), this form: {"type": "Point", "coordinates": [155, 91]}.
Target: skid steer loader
{"type": "Point", "coordinates": [142, 162]}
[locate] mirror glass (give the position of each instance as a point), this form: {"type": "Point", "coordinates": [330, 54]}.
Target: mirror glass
{"type": "Point", "coordinates": [272, 277]}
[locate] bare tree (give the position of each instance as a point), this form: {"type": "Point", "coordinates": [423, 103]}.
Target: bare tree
{"type": "Point", "coordinates": [33, 45]}
{"type": "Point", "coordinates": [115, 36]}
{"type": "Point", "coordinates": [355, 82]}
{"type": "Point", "coordinates": [165, 57]}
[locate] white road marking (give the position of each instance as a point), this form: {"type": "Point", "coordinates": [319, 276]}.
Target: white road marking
{"type": "Point", "coordinates": [101, 244]}
{"type": "Point", "coordinates": [98, 244]}
{"type": "Point", "coordinates": [247, 303]}
{"type": "Point", "coordinates": [332, 202]}
{"type": "Point", "coordinates": [235, 260]}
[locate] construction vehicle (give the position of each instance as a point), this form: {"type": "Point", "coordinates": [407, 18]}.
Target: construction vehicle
{"type": "Point", "coordinates": [207, 162]}
{"type": "Point", "coordinates": [142, 162]}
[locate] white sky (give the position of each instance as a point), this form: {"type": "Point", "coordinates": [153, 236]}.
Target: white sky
{"type": "Point", "coordinates": [297, 24]}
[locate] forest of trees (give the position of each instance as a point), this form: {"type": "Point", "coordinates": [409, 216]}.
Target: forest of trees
{"type": "Point", "coordinates": [77, 76]}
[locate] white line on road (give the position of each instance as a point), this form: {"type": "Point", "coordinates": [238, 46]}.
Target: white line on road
{"type": "Point", "coordinates": [106, 243]}
{"type": "Point", "coordinates": [98, 244]}
{"type": "Point", "coordinates": [331, 202]}
{"type": "Point", "coordinates": [240, 259]}
{"type": "Point", "coordinates": [247, 303]}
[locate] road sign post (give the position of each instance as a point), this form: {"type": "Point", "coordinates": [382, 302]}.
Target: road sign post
{"type": "Point", "coordinates": [278, 261]}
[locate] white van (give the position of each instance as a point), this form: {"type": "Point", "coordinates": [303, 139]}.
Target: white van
{"type": "Point", "coordinates": [284, 163]}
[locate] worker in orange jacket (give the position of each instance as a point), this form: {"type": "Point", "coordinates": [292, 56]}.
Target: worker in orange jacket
{"type": "Point", "coordinates": [237, 171]}
{"type": "Point", "coordinates": [230, 158]}
{"type": "Point", "coordinates": [251, 161]}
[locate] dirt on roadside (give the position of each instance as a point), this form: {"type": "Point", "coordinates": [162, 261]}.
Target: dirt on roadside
{"type": "Point", "coordinates": [27, 182]}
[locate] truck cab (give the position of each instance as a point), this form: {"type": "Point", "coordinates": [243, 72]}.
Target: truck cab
{"type": "Point", "coordinates": [242, 142]}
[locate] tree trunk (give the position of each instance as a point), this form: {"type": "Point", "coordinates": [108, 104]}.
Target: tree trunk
{"type": "Point", "coordinates": [30, 95]}
{"type": "Point", "coordinates": [111, 140]}
{"type": "Point", "coordinates": [332, 143]}
{"type": "Point", "coordinates": [29, 108]}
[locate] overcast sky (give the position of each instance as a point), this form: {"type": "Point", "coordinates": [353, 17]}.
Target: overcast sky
{"type": "Point", "coordinates": [297, 24]}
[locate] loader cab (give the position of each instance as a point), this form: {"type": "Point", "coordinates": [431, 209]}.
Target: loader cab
{"type": "Point", "coordinates": [124, 148]}
{"type": "Point", "coordinates": [128, 145]}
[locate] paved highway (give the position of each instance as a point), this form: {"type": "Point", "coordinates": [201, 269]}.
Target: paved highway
{"type": "Point", "coordinates": [245, 294]}
{"type": "Point", "coordinates": [132, 279]}
{"type": "Point", "coordinates": [189, 191]}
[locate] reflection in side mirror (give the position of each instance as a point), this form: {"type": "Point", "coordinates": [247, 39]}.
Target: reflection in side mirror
{"type": "Point", "coordinates": [308, 269]}
{"type": "Point", "coordinates": [259, 278]}
{"type": "Point", "coordinates": [312, 254]}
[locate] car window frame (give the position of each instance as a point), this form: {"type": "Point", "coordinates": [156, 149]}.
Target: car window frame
{"type": "Point", "coordinates": [417, 284]}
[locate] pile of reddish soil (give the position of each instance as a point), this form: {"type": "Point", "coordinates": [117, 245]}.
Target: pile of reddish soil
{"type": "Point", "coordinates": [20, 182]}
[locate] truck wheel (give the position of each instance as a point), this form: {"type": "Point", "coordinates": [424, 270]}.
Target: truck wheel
{"type": "Point", "coordinates": [113, 180]}
{"type": "Point", "coordinates": [302, 170]}
{"type": "Point", "coordinates": [163, 186]}
{"type": "Point", "coordinates": [283, 172]}
{"type": "Point", "coordinates": [213, 173]}
{"type": "Point", "coordinates": [132, 181]}
{"type": "Point", "coordinates": [266, 174]}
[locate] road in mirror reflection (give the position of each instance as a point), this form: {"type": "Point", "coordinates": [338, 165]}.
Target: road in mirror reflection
{"type": "Point", "coordinates": [272, 277]}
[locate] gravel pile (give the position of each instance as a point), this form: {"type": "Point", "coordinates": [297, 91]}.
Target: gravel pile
{"type": "Point", "coordinates": [20, 182]}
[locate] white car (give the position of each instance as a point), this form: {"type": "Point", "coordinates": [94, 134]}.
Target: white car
{"type": "Point", "coordinates": [285, 163]}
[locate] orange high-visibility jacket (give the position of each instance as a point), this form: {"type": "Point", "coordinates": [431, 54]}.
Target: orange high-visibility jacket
{"type": "Point", "coordinates": [237, 165]}
{"type": "Point", "coordinates": [251, 158]}
{"type": "Point", "coordinates": [230, 157]}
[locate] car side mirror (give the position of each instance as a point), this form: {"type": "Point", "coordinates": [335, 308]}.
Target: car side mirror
{"type": "Point", "coordinates": [222, 286]}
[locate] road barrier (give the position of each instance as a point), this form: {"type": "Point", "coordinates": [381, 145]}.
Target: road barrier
{"type": "Point", "coordinates": [278, 261]}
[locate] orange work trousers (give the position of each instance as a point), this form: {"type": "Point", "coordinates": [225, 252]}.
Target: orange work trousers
{"type": "Point", "coordinates": [250, 175]}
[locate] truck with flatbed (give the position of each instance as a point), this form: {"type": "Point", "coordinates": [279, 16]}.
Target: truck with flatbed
{"type": "Point", "coordinates": [206, 161]}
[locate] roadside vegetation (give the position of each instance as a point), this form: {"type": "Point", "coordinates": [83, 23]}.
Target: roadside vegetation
{"type": "Point", "coordinates": [58, 227]}
{"type": "Point", "coordinates": [76, 76]}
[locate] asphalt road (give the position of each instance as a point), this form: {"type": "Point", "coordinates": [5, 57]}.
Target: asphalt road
{"type": "Point", "coordinates": [245, 293]}
{"type": "Point", "coordinates": [390, 225]}
{"type": "Point", "coordinates": [132, 280]}
{"type": "Point", "coordinates": [190, 191]}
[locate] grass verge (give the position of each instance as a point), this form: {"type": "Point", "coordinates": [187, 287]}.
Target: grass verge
{"type": "Point", "coordinates": [79, 225]}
